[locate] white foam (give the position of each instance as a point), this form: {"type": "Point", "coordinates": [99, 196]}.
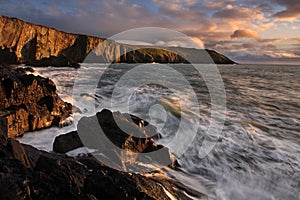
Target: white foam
{"type": "Point", "coordinates": [43, 139]}
{"type": "Point", "coordinates": [80, 151]}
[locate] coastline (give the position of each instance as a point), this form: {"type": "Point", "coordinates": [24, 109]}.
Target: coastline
{"type": "Point", "coordinates": [36, 45]}
{"type": "Point", "coordinates": [40, 172]}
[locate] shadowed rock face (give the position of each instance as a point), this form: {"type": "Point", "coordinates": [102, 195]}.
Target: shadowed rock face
{"type": "Point", "coordinates": [29, 102]}
{"type": "Point", "coordinates": [30, 44]}
{"type": "Point", "coordinates": [27, 173]}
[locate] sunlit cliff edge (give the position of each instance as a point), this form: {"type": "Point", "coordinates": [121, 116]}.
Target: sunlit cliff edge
{"type": "Point", "coordinates": [26, 43]}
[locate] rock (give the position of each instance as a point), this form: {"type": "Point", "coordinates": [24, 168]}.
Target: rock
{"type": "Point", "coordinates": [136, 138]}
{"type": "Point", "coordinates": [67, 142]}
{"type": "Point", "coordinates": [28, 173]}
{"type": "Point", "coordinates": [144, 54]}
{"type": "Point", "coordinates": [29, 102]}
{"type": "Point", "coordinates": [41, 46]}
{"type": "Point", "coordinates": [26, 43]}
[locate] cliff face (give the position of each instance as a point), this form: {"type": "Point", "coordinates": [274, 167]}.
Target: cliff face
{"type": "Point", "coordinates": [30, 44]}
{"type": "Point", "coordinates": [29, 103]}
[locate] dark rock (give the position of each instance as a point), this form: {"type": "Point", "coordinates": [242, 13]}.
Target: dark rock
{"type": "Point", "coordinates": [67, 142]}
{"type": "Point", "coordinates": [25, 43]}
{"type": "Point", "coordinates": [155, 182]}
{"type": "Point", "coordinates": [29, 102]}
{"type": "Point", "coordinates": [127, 138]}
{"type": "Point", "coordinates": [18, 153]}
{"type": "Point", "coordinates": [127, 131]}
{"type": "Point", "coordinates": [27, 173]}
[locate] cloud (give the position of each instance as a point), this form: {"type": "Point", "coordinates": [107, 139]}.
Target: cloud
{"type": "Point", "coordinates": [135, 42]}
{"type": "Point", "coordinates": [264, 7]}
{"type": "Point", "coordinates": [237, 12]}
{"type": "Point", "coordinates": [180, 43]}
{"type": "Point", "coordinates": [233, 17]}
{"type": "Point", "coordinates": [194, 43]}
{"type": "Point", "coordinates": [198, 42]}
{"type": "Point", "coordinates": [244, 33]}
{"type": "Point", "coordinates": [217, 4]}
{"type": "Point", "coordinates": [283, 55]}
{"type": "Point", "coordinates": [273, 50]}
{"type": "Point", "coordinates": [291, 12]}
{"type": "Point", "coordinates": [210, 22]}
{"type": "Point", "coordinates": [264, 58]}
{"type": "Point", "coordinates": [99, 18]}
{"type": "Point", "coordinates": [154, 36]}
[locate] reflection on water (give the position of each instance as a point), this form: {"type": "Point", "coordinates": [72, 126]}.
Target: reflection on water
{"type": "Point", "coordinates": [258, 154]}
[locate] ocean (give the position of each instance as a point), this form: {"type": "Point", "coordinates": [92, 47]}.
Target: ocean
{"type": "Point", "coordinates": [256, 155]}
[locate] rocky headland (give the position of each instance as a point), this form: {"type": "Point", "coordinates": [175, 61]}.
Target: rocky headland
{"type": "Point", "coordinates": [26, 43]}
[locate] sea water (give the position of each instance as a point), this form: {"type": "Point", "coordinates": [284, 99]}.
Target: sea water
{"type": "Point", "coordinates": [257, 154]}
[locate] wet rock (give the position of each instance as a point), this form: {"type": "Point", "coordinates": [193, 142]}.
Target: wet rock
{"type": "Point", "coordinates": [28, 173]}
{"type": "Point", "coordinates": [29, 102]}
{"type": "Point", "coordinates": [67, 142]}
{"type": "Point", "coordinates": [121, 139]}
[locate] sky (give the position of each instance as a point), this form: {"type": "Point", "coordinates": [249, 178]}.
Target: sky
{"type": "Point", "coordinates": [248, 31]}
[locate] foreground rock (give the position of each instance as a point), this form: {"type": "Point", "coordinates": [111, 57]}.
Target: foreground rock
{"type": "Point", "coordinates": [29, 102]}
{"type": "Point", "coordinates": [27, 173]}
{"type": "Point", "coordinates": [26, 43]}
{"type": "Point", "coordinates": [125, 141]}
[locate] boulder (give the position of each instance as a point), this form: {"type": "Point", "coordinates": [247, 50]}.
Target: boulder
{"type": "Point", "coordinates": [29, 102]}
{"type": "Point", "coordinates": [67, 142]}
{"type": "Point", "coordinates": [125, 141]}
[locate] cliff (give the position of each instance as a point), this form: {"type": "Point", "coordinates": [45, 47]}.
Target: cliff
{"type": "Point", "coordinates": [26, 43]}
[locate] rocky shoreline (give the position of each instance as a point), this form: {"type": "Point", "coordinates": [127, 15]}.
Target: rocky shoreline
{"type": "Point", "coordinates": [29, 103]}
{"type": "Point", "coordinates": [29, 173]}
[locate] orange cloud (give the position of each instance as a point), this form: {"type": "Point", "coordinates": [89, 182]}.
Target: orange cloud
{"type": "Point", "coordinates": [244, 33]}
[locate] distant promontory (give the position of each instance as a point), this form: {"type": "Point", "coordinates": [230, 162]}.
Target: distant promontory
{"type": "Point", "coordinates": [26, 43]}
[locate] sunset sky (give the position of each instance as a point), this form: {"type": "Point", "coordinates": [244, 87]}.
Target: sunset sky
{"type": "Point", "coordinates": [245, 30]}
